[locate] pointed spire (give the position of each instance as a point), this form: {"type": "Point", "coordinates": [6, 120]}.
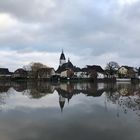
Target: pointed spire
{"type": "Point", "coordinates": [62, 56]}
{"type": "Point", "coordinates": [68, 100]}
{"type": "Point", "coordinates": [61, 102]}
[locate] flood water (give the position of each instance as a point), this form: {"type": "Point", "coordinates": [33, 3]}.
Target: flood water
{"type": "Point", "coordinates": [69, 111]}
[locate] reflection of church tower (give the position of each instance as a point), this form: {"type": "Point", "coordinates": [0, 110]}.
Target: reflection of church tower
{"type": "Point", "coordinates": [62, 59]}
{"type": "Point", "coordinates": [61, 102]}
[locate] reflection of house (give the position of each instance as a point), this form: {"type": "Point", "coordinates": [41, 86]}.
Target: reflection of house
{"type": "Point", "coordinates": [4, 72]}
{"type": "Point", "coordinates": [20, 73]}
{"type": "Point", "coordinates": [127, 72]}
{"type": "Point", "coordinates": [127, 89]}
{"type": "Point", "coordinates": [45, 73]}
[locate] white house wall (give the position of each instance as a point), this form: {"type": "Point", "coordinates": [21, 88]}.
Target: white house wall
{"type": "Point", "coordinates": [100, 76]}
{"type": "Point", "coordinates": [64, 74]}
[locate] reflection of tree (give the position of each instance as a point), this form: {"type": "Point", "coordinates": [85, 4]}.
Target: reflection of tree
{"type": "Point", "coordinates": [130, 102]}
{"type": "Point", "coordinates": [19, 86]}
{"type": "Point", "coordinates": [39, 89]}
{"type": "Point", "coordinates": [111, 93]}
{"type": "Point", "coordinates": [4, 87]}
{"type": "Point", "coordinates": [2, 100]}
{"type": "Point", "coordinates": [127, 96]}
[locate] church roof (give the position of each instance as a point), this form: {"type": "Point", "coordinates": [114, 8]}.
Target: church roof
{"type": "Point", "coordinates": [65, 66]}
{"type": "Point", "coordinates": [62, 56]}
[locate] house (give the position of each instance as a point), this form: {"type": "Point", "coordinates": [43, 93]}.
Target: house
{"type": "Point", "coordinates": [98, 69]}
{"type": "Point", "coordinates": [139, 73]}
{"type": "Point", "coordinates": [68, 73]}
{"type": "Point", "coordinates": [4, 72]}
{"type": "Point", "coordinates": [79, 73]}
{"type": "Point", "coordinates": [45, 73]}
{"type": "Point", "coordinates": [20, 73]}
{"type": "Point", "coordinates": [85, 73]}
{"type": "Point", "coordinates": [127, 72]}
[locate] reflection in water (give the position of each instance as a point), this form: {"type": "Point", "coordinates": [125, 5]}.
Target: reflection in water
{"type": "Point", "coordinates": [82, 106]}
{"type": "Point", "coordinates": [125, 95]}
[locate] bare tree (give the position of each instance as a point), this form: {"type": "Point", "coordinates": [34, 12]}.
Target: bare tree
{"type": "Point", "coordinates": [111, 68]}
{"type": "Point", "coordinates": [33, 67]}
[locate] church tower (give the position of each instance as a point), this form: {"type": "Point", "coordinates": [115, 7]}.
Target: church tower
{"type": "Point", "coordinates": [62, 59]}
{"type": "Point", "coordinates": [61, 102]}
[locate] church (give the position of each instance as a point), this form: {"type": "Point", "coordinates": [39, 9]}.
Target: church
{"type": "Point", "coordinates": [67, 70]}
{"type": "Point", "coordinates": [63, 65]}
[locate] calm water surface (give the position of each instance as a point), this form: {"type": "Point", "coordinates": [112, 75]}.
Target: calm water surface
{"type": "Point", "coordinates": [80, 111]}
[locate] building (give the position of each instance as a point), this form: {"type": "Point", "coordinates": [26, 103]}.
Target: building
{"type": "Point", "coordinates": [94, 71]}
{"type": "Point", "coordinates": [4, 72]}
{"type": "Point", "coordinates": [45, 73]}
{"type": "Point", "coordinates": [68, 70]}
{"type": "Point", "coordinates": [65, 66]}
{"type": "Point", "coordinates": [62, 59]}
{"type": "Point", "coordinates": [68, 73]}
{"type": "Point", "coordinates": [61, 102]}
{"type": "Point", "coordinates": [98, 69]}
{"type": "Point", "coordinates": [127, 72]}
{"type": "Point", "coordinates": [65, 69]}
{"type": "Point", "coordinates": [20, 73]}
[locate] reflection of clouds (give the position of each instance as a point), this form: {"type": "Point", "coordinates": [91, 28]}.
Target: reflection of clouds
{"type": "Point", "coordinates": [16, 100]}
{"type": "Point", "coordinates": [83, 118]}
{"type": "Point", "coordinates": [44, 95]}
{"type": "Point", "coordinates": [86, 120]}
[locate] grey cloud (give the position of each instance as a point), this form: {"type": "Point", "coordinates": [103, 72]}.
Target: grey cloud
{"type": "Point", "coordinates": [93, 27]}
{"type": "Point", "coordinates": [29, 11]}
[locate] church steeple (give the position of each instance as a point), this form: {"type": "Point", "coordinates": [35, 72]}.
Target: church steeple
{"type": "Point", "coordinates": [62, 58]}
{"type": "Point", "coordinates": [61, 102]}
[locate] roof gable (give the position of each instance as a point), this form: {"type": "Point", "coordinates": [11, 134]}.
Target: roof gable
{"type": "Point", "coordinates": [4, 71]}
{"type": "Point", "coordinates": [96, 68]}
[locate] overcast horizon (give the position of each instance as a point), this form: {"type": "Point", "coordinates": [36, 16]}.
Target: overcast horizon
{"type": "Point", "coordinates": [90, 32]}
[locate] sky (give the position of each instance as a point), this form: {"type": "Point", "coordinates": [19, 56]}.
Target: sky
{"type": "Point", "coordinates": [91, 32]}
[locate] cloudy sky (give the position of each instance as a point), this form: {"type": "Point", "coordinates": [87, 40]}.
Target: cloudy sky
{"type": "Point", "coordinates": [89, 31]}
